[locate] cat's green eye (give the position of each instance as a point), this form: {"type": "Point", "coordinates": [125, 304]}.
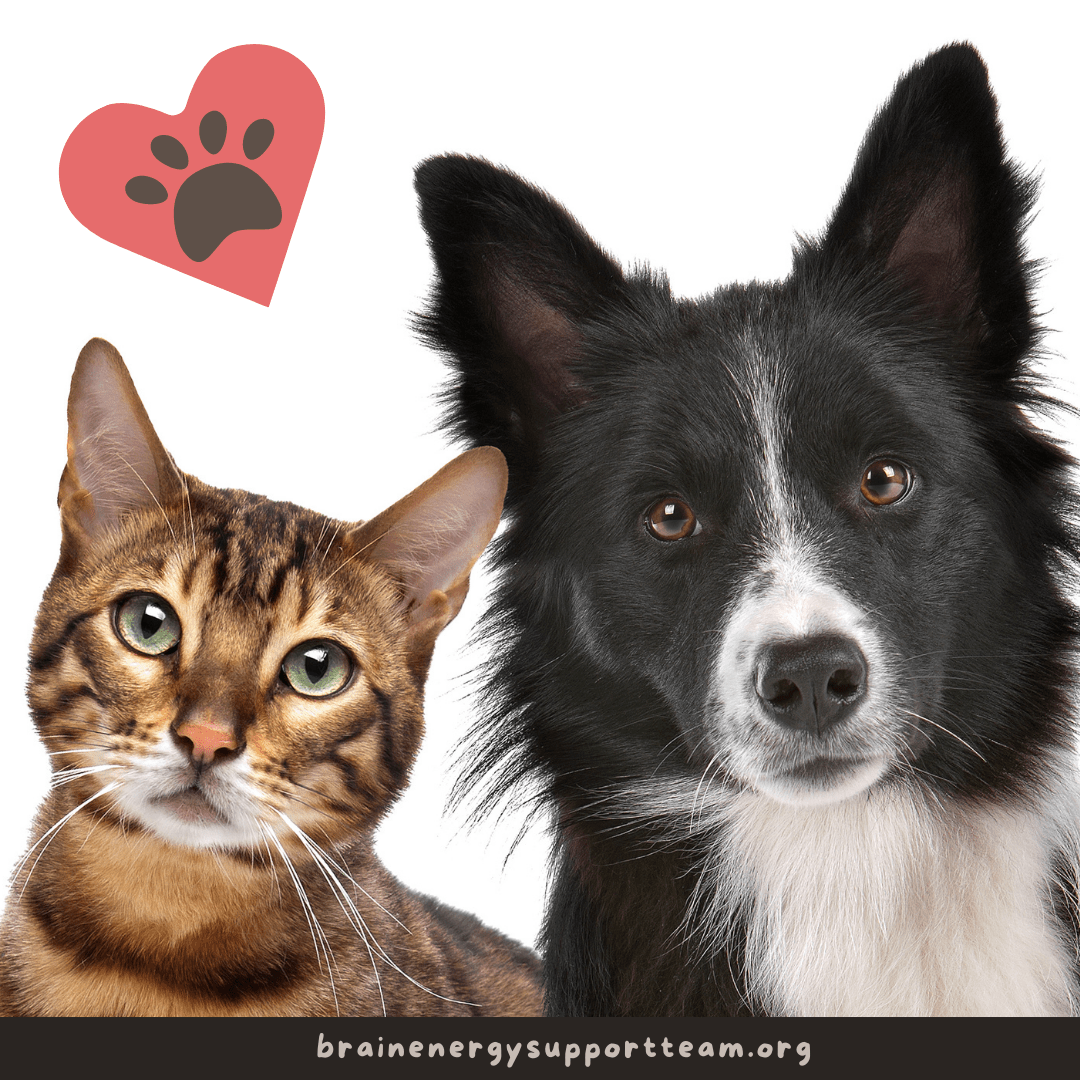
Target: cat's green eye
{"type": "Point", "coordinates": [317, 668]}
{"type": "Point", "coordinates": [148, 624]}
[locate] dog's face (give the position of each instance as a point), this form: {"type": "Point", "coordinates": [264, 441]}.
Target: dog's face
{"type": "Point", "coordinates": [796, 537]}
{"type": "Point", "coordinates": [784, 523]}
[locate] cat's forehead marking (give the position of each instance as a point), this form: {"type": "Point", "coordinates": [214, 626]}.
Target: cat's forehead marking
{"type": "Point", "coordinates": [187, 576]}
{"type": "Point", "coordinates": [252, 544]}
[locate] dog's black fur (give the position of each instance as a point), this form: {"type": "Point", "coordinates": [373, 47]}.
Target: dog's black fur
{"type": "Point", "coordinates": [907, 328]}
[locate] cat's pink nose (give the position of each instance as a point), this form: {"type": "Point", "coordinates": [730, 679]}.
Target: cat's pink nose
{"type": "Point", "coordinates": [207, 737]}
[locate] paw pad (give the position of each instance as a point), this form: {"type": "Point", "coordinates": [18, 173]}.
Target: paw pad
{"type": "Point", "coordinates": [217, 200]}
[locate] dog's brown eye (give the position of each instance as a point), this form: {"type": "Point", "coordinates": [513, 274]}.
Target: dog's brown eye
{"type": "Point", "coordinates": [671, 519]}
{"type": "Point", "coordinates": [885, 482]}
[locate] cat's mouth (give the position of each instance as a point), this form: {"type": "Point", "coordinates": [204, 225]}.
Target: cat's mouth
{"type": "Point", "coordinates": [191, 805]}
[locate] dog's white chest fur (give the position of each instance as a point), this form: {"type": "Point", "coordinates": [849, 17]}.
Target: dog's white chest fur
{"type": "Point", "coordinates": [881, 907]}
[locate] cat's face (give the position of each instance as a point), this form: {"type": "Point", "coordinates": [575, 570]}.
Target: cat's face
{"type": "Point", "coordinates": [225, 671]}
{"type": "Point", "coordinates": [234, 659]}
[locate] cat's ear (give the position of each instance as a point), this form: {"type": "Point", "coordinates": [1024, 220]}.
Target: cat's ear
{"type": "Point", "coordinates": [116, 464]}
{"type": "Point", "coordinates": [430, 540]}
{"type": "Point", "coordinates": [516, 277]}
{"type": "Point", "coordinates": [935, 204]}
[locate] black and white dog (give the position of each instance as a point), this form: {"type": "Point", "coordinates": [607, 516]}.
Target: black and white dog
{"type": "Point", "coordinates": [782, 630]}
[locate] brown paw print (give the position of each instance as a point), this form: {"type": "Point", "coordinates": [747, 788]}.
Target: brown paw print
{"type": "Point", "coordinates": [218, 200]}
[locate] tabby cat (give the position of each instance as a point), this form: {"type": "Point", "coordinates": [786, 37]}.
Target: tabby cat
{"type": "Point", "coordinates": [231, 689]}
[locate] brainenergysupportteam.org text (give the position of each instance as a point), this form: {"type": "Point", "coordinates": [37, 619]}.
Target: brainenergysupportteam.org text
{"type": "Point", "coordinates": [496, 1053]}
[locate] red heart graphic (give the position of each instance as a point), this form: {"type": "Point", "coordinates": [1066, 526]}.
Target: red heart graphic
{"type": "Point", "coordinates": [215, 191]}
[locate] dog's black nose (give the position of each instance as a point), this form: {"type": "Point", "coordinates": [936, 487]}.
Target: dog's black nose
{"type": "Point", "coordinates": [812, 683]}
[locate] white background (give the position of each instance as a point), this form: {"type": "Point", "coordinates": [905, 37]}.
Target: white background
{"type": "Point", "coordinates": [693, 136]}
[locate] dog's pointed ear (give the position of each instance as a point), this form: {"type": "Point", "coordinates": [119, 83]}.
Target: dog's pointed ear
{"type": "Point", "coordinates": [516, 277]}
{"type": "Point", "coordinates": [429, 541]}
{"type": "Point", "coordinates": [116, 464]}
{"type": "Point", "coordinates": [934, 202]}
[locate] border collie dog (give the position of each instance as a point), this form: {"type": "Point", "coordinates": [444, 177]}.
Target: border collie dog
{"type": "Point", "coordinates": [782, 630]}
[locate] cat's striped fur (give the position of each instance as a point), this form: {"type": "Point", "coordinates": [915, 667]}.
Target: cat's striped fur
{"type": "Point", "coordinates": [206, 848]}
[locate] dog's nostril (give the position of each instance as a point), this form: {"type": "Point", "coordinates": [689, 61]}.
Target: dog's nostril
{"type": "Point", "coordinates": [810, 683]}
{"type": "Point", "coordinates": [783, 694]}
{"type": "Point", "coordinates": [844, 683]}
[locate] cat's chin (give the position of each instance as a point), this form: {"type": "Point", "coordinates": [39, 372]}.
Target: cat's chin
{"type": "Point", "coordinates": [189, 819]}
{"type": "Point", "coordinates": [192, 806]}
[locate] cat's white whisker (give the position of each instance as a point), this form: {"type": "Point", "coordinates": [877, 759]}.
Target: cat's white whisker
{"type": "Point", "coordinates": [358, 923]}
{"type": "Point", "coordinates": [314, 925]}
{"type": "Point", "coordinates": [65, 776]}
{"type": "Point", "coordinates": [50, 834]}
{"type": "Point", "coordinates": [325, 864]}
{"type": "Point", "coordinates": [271, 864]}
{"type": "Point", "coordinates": [341, 868]}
